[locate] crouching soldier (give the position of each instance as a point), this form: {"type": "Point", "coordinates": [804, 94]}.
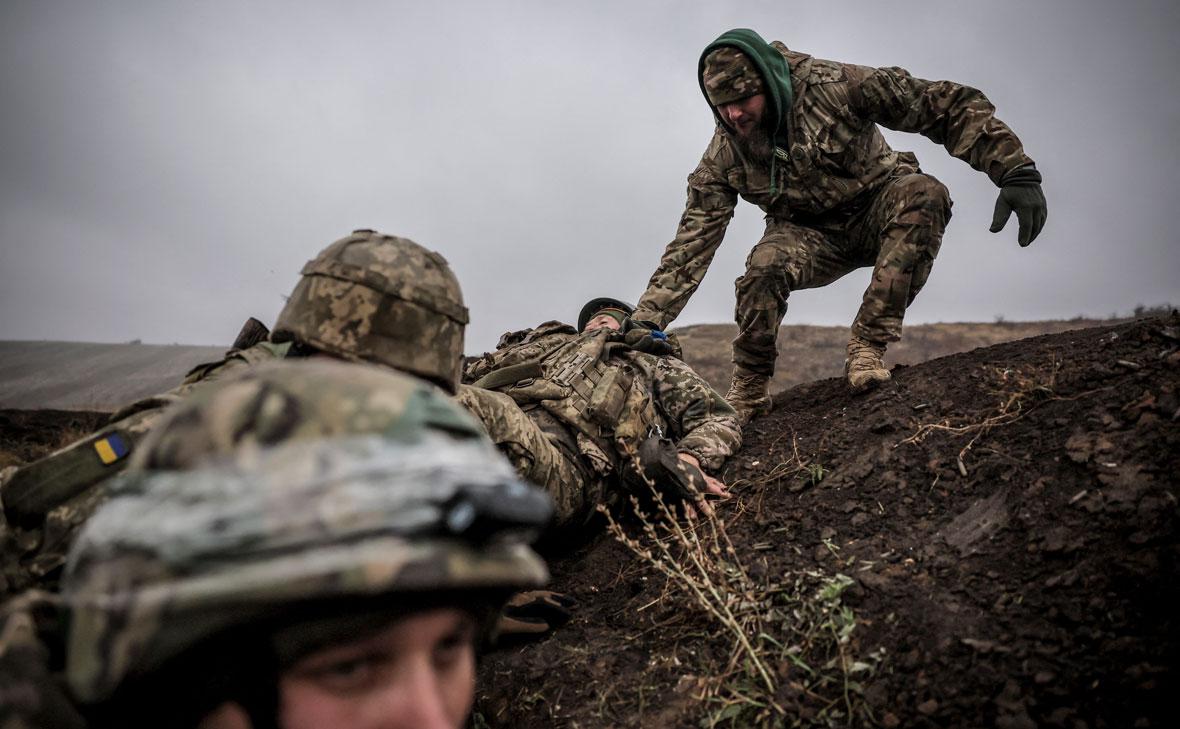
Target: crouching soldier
{"type": "Point", "coordinates": [310, 544]}
{"type": "Point", "coordinates": [588, 412]}
{"type": "Point", "coordinates": [366, 298]}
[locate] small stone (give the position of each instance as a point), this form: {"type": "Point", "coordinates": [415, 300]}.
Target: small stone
{"type": "Point", "coordinates": [928, 707]}
{"type": "Point", "coordinates": [890, 721]}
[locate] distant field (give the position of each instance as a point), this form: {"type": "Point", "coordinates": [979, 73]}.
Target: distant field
{"type": "Point", "coordinates": [808, 353]}
{"type": "Point", "coordinates": [103, 377]}
{"type": "Point", "coordinates": [88, 376]}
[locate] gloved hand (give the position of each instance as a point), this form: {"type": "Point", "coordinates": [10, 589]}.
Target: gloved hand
{"type": "Point", "coordinates": [1020, 190]}
{"type": "Point", "coordinates": [646, 337]}
{"type": "Point", "coordinates": [534, 614]}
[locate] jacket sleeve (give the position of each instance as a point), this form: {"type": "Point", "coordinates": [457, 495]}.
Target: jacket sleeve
{"type": "Point", "coordinates": [686, 259]}
{"type": "Point", "coordinates": [958, 117]}
{"type": "Point", "coordinates": [703, 424]}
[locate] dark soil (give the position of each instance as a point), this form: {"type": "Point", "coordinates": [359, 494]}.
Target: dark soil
{"type": "Point", "coordinates": [1034, 584]}
{"type": "Point", "coordinates": [26, 435]}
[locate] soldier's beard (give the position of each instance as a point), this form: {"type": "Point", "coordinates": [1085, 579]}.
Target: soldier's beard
{"type": "Point", "coordinates": [756, 146]}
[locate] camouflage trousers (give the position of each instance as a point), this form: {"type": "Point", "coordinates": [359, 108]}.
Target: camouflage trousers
{"type": "Point", "coordinates": [575, 490]}
{"type": "Point", "coordinates": [897, 231]}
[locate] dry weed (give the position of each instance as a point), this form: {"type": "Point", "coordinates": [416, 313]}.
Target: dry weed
{"type": "Point", "coordinates": [1017, 393]}
{"type": "Point", "coordinates": [790, 639]}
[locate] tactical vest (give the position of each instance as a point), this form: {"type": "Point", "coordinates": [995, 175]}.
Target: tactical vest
{"type": "Point", "coordinates": [587, 384]}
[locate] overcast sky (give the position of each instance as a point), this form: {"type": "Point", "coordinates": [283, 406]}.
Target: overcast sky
{"type": "Point", "coordinates": [166, 168]}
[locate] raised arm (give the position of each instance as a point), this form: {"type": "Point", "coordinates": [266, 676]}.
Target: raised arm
{"type": "Point", "coordinates": [686, 259]}
{"type": "Point", "coordinates": [958, 117]}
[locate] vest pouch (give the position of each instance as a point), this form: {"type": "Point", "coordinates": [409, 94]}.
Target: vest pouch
{"type": "Point", "coordinates": [607, 398]}
{"type": "Point", "coordinates": [536, 390]}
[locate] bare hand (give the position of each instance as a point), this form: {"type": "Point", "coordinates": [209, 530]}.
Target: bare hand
{"type": "Point", "coordinates": [714, 487]}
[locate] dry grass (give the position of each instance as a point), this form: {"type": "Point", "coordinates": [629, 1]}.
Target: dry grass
{"type": "Point", "coordinates": [791, 658]}
{"type": "Point", "coordinates": [1016, 392]}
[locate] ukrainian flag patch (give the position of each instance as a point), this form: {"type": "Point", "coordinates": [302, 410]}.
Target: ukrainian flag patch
{"type": "Point", "coordinates": [111, 448]}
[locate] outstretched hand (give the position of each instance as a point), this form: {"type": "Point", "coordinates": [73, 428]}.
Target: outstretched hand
{"type": "Point", "coordinates": [714, 487]}
{"type": "Point", "coordinates": [1020, 191]}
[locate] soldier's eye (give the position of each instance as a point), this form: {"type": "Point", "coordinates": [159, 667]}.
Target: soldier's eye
{"type": "Point", "coordinates": [455, 647]}
{"type": "Point", "coordinates": [348, 675]}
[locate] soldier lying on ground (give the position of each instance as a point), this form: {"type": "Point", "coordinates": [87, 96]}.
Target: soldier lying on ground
{"type": "Point", "coordinates": [312, 544]}
{"type": "Point", "coordinates": [798, 137]}
{"type": "Point", "coordinates": [366, 298]}
{"type": "Point", "coordinates": [587, 413]}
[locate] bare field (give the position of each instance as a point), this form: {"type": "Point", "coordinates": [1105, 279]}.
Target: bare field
{"type": "Point", "coordinates": [89, 376]}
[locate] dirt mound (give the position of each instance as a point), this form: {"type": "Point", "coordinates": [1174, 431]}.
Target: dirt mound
{"type": "Point", "coordinates": [988, 540]}
{"type": "Point", "coordinates": [808, 353]}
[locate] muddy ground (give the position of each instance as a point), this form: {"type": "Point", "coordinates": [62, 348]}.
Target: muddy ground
{"type": "Point", "coordinates": [1031, 581]}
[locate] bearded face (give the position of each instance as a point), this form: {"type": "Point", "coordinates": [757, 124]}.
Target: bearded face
{"type": "Point", "coordinates": [751, 127]}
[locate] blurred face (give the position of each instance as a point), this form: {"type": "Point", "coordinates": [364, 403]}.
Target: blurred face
{"type": "Point", "coordinates": [602, 321]}
{"type": "Point", "coordinates": [744, 115]}
{"type": "Point", "coordinates": [418, 673]}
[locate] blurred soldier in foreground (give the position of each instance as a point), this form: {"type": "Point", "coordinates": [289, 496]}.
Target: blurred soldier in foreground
{"type": "Point", "coordinates": [588, 412]}
{"type": "Point", "coordinates": [334, 583]}
{"type": "Point", "coordinates": [366, 298]}
{"type": "Point", "coordinates": [798, 137]}
{"type": "Point", "coordinates": [308, 544]}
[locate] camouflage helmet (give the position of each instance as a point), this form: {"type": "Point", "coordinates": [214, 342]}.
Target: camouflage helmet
{"type": "Point", "coordinates": [177, 558]}
{"type": "Point", "coordinates": [382, 299]}
{"type": "Point", "coordinates": [284, 400]}
{"type": "Point", "coordinates": [593, 306]}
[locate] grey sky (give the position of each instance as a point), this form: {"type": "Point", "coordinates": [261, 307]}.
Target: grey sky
{"type": "Point", "coordinates": [167, 167]}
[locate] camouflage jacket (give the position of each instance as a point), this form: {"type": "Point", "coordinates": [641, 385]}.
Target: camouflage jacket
{"type": "Point", "coordinates": [835, 157]}
{"type": "Point", "coordinates": [609, 397]}
{"type": "Point", "coordinates": [67, 485]}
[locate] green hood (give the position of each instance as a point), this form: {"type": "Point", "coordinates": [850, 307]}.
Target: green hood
{"type": "Point", "coordinates": [775, 70]}
{"type": "Point", "coordinates": [776, 73]}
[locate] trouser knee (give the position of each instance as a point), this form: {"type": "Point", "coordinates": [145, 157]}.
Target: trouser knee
{"type": "Point", "coordinates": [761, 303]}
{"type": "Point", "coordinates": [920, 207]}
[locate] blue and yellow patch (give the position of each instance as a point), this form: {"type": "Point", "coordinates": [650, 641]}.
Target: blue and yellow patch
{"type": "Point", "coordinates": [111, 448]}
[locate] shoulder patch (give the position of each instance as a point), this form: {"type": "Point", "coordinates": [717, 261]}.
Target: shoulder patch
{"type": "Point", "coordinates": [111, 448]}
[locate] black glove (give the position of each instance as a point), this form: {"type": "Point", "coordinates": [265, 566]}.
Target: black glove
{"type": "Point", "coordinates": [1020, 190]}
{"type": "Point", "coordinates": [646, 337]}
{"type": "Point", "coordinates": [534, 614]}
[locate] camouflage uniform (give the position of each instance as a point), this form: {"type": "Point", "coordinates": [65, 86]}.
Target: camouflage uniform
{"type": "Point", "coordinates": [836, 198]}
{"type": "Point", "coordinates": [367, 297]}
{"type": "Point", "coordinates": [575, 424]}
{"type": "Point", "coordinates": [293, 483]}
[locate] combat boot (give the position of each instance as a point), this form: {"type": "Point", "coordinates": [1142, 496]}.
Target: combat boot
{"type": "Point", "coordinates": [749, 394]}
{"type": "Point", "coordinates": [864, 368]}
